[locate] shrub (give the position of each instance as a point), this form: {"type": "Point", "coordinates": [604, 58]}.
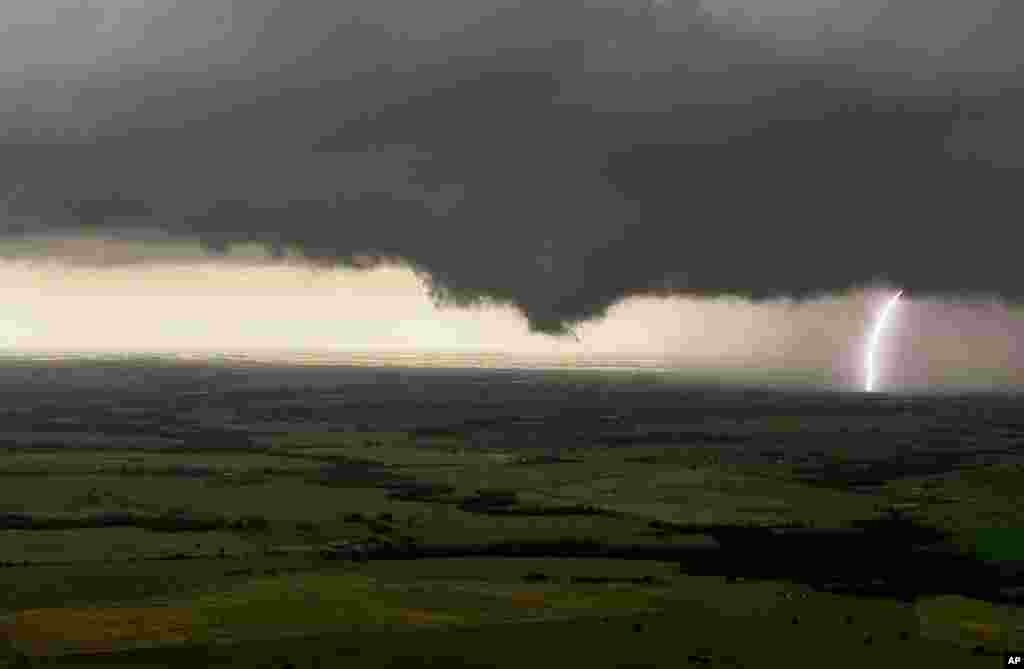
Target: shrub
{"type": "Point", "coordinates": [379, 527]}
{"type": "Point", "coordinates": [255, 523]}
{"type": "Point", "coordinates": [496, 497]}
{"type": "Point", "coordinates": [416, 490]}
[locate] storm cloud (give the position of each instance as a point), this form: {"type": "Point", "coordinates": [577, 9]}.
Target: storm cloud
{"type": "Point", "coordinates": [555, 156]}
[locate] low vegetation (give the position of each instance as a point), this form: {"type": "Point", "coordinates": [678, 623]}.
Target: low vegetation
{"type": "Point", "coordinates": [607, 533]}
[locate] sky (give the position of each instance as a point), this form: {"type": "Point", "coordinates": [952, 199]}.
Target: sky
{"type": "Point", "coordinates": [710, 180]}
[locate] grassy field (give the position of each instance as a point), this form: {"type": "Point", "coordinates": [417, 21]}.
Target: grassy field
{"type": "Point", "coordinates": [256, 589]}
{"type": "Point", "coordinates": [114, 544]}
{"type": "Point", "coordinates": [138, 462]}
{"type": "Point", "coordinates": [561, 643]}
{"type": "Point", "coordinates": [280, 498]}
{"type": "Point", "coordinates": [458, 619]}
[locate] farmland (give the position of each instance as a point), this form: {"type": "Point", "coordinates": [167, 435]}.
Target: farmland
{"type": "Point", "coordinates": [259, 517]}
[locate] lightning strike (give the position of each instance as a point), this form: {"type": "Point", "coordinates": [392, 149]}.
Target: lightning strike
{"type": "Point", "coordinates": [870, 372]}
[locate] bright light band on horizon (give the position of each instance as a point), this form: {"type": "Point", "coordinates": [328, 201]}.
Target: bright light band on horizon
{"type": "Point", "coordinates": [871, 373]}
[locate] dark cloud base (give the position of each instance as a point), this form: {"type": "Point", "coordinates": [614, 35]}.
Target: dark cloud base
{"type": "Point", "coordinates": [556, 158]}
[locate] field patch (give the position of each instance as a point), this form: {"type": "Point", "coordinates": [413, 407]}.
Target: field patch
{"type": "Point", "coordinates": [1000, 544]}
{"type": "Point", "coordinates": [112, 543]}
{"type": "Point", "coordinates": [97, 630]}
{"type": "Point", "coordinates": [425, 617]}
{"type": "Point", "coordinates": [963, 621]}
{"type": "Point", "coordinates": [406, 455]}
{"type": "Point", "coordinates": [307, 603]}
{"type": "Point", "coordinates": [585, 601]}
{"type": "Point", "coordinates": [306, 440]}
{"type": "Point", "coordinates": [304, 603]}
{"type": "Point", "coordinates": [277, 498]}
{"type": "Point", "coordinates": [139, 462]}
{"type": "Point", "coordinates": [513, 570]}
{"type": "Point", "coordinates": [445, 523]}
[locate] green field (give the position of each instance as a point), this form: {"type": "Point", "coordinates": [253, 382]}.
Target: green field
{"type": "Point", "coordinates": [113, 544]}
{"type": "Point", "coordinates": [321, 617]}
{"type": "Point", "coordinates": [259, 594]}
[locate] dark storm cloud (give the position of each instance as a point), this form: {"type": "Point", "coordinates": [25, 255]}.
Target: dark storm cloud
{"type": "Point", "coordinates": [557, 156]}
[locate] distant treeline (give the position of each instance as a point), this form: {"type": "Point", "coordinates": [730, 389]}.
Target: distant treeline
{"type": "Point", "coordinates": [474, 505]}
{"type": "Point", "coordinates": [864, 562]}
{"type": "Point", "coordinates": [162, 522]}
{"type": "Point", "coordinates": [490, 501]}
{"type": "Point", "coordinates": [673, 437]}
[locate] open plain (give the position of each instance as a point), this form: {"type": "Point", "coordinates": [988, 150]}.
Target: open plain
{"type": "Point", "coordinates": [158, 513]}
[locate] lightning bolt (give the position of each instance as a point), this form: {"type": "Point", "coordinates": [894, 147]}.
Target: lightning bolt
{"type": "Point", "coordinates": [870, 373]}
